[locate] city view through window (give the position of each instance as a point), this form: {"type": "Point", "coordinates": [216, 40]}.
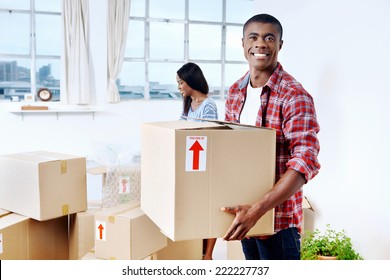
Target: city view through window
{"type": "Point", "coordinates": [30, 51]}
{"type": "Point", "coordinates": [160, 40]}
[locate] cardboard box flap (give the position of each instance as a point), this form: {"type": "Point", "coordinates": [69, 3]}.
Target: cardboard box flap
{"type": "Point", "coordinates": [4, 212]}
{"type": "Point", "coordinates": [204, 124]}
{"type": "Point", "coordinates": [306, 204]}
{"type": "Point", "coordinates": [225, 124]}
{"type": "Point", "coordinates": [237, 126]}
{"type": "Point", "coordinates": [97, 170]}
{"type": "Point", "coordinates": [182, 125]}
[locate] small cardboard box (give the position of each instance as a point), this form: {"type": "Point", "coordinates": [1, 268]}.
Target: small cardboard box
{"type": "Point", "coordinates": [22, 238]}
{"type": "Point", "coordinates": [82, 233]}
{"type": "Point", "coordinates": [124, 232]}
{"type": "Point", "coordinates": [190, 170]}
{"type": "Point", "coordinates": [43, 185]}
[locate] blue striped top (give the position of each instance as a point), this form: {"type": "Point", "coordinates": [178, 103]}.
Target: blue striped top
{"type": "Point", "coordinates": [206, 110]}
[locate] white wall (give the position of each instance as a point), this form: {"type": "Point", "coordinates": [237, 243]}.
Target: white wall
{"type": "Point", "coordinates": [336, 49]}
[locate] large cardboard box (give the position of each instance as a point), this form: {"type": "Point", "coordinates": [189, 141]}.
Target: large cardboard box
{"type": "Point", "coordinates": [124, 232]}
{"type": "Point", "coordinates": [190, 170]}
{"type": "Point", "coordinates": [43, 185]}
{"type": "Point", "coordinates": [22, 238]}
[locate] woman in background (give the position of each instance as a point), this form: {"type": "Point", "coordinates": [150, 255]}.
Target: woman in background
{"type": "Point", "coordinates": [197, 105]}
{"type": "Point", "coordinates": [194, 89]}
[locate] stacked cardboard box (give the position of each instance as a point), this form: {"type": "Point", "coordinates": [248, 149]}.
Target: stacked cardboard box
{"type": "Point", "coordinates": [23, 238]}
{"type": "Point", "coordinates": [43, 185]}
{"type": "Point", "coordinates": [82, 233]}
{"type": "Point", "coordinates": [124, 232]}
{"type": "Point", "coordinates": [39, 189]}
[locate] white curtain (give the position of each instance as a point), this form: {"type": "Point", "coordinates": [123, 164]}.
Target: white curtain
{"type": "Point", "coordinates": [118, 21]}
{"type": "Point", "coordinates": [76, 52]}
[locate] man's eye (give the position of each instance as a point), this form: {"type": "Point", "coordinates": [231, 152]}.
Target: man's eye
{"type": "Point", "coordinates": [269, 39]}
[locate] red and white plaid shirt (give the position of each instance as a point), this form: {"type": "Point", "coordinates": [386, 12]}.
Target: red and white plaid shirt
{"type": "Point", "coordinates": [291, 112]}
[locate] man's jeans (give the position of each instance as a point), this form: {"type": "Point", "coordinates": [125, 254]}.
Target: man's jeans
{"type": "Point", "coordinates": [284, 245]}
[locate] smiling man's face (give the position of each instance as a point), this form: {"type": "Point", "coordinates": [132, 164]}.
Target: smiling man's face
{"type": "Point", "coordinates": [261, 45]}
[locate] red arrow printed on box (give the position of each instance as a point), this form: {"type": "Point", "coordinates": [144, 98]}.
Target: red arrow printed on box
{"type": "Point", "coordinates": [196, 148]}
{"type": "Point", "coordinates": [100, 227]}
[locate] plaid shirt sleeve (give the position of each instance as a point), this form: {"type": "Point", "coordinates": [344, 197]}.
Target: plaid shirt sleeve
{"type": "Point", "coordinates": [291, 113]}
{"type": "Point", "coordinates": [300, 128]}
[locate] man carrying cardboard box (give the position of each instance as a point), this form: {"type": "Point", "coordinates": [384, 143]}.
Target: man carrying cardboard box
{"type": "Point", "coordinates": [268, 96]}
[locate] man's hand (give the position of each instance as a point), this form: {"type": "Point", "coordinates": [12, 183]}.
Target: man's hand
{"type": "Point", "coordinates": [245, 219]}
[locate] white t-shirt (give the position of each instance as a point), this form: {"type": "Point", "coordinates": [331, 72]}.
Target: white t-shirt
{"type": "Point", "coordinates": [251, 106]}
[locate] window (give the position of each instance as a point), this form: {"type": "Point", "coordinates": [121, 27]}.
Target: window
{"type": "Point", "coordinates": [161, 38]}
{"type": "Point", "coordinates": [31, 47]}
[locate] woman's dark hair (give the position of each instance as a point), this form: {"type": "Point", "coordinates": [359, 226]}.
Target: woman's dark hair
{"type": "Point", "coordinates": [193, 76]}
{"type": "Point", "coordinates": [265, 18]}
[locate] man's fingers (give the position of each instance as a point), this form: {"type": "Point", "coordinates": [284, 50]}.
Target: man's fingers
{"type": "Point", "coordinates": [229, 234]}
{"type": "Point", "coordinates": [236, 231]}
{"type": "Point", "coordinates": [231, 210]}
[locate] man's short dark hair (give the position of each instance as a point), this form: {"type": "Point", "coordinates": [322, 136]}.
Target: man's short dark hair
{"type": "Point", "coordinates": [265, 18]}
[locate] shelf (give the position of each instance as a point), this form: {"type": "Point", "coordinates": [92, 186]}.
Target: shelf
{"type": "Point", "coordinates": [57, 112]}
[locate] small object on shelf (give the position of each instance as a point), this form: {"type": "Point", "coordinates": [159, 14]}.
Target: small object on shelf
{"type": "Point", "coordinates": [29, 97]}
{"type": "Point", "coordinates": [44, 94]}
{"type": "Point", "coordinates": [35, 108]}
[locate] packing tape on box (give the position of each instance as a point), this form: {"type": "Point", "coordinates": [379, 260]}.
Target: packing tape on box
{"type": "Point", "coordinates": [64, 166]}
{"type": "Point", "coordinates": [65, 209]}
{"type": "Point", "coordinates": [111, 219]}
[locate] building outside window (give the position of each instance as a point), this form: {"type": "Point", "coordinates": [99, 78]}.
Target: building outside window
{"type": "Point", "coordinates": [30, 51]}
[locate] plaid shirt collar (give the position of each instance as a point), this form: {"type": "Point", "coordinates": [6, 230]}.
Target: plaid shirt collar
{"type": "Point", "coordinates": [271, 83]}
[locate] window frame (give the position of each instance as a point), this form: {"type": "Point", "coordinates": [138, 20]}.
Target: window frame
{"type": "Point", "coordinates": [32, 55]}
{"type": "Point", "coordinates": [147, 60]}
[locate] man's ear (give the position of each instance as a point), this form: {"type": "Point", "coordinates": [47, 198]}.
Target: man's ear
{"type": "Point", "coordinates": [242, 42]}
{"type": "Point", "coordinates": [281, 44]}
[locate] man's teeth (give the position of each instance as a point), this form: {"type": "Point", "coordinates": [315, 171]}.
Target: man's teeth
{"type": "Point", "coordinates": [259, 54]}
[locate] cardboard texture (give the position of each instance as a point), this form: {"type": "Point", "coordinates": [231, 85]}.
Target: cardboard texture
{"type": "Point", "coordinates": [22, 238]}
{"type": "Point", "coordinates": [124, 232]}
{"type": "Point", "coordinates": [181, 250]}
{"type": "Point", "coordinates": [43, 185]}
{"type": "Point", "coordinates": [191, 169]}
{"type": "Point", "coordinates": [82, 233]}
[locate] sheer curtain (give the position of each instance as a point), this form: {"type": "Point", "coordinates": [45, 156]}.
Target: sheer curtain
{"type": "Point", "coordinates": [76, 86]}
{"type": "Point", "coordinates": [118, 21]}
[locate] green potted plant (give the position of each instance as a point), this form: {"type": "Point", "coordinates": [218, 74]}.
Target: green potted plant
{"type": "Point", "coordinates": [331, 243]}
